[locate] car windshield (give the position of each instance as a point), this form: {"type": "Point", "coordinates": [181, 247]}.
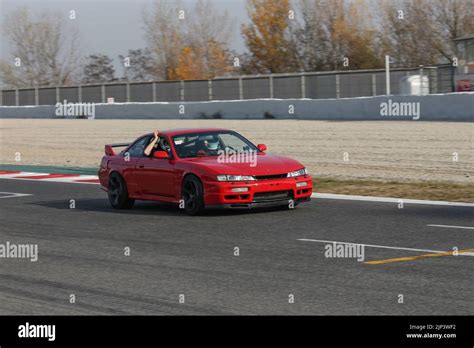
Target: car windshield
{"type": "Point", "coordinates": [211, 144]}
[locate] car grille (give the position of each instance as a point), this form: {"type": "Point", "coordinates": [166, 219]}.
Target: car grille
{"type": "Point", "coordinates": [274, 196]}
{"type": "Point", "coordinates": [269, 177]}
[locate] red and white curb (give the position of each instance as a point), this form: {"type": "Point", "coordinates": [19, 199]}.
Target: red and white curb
{"type": "Point", "coordinates": [71, 178]}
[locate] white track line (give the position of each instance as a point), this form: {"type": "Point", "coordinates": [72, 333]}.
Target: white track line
{"type": "Point", "coordinates": [72, 178]}
{"type": "Point", "coordinates": [62, 180]}
{"type": "Point", "coordinates": [387, 199]}
{"type": "Point", "coordinates": [14, 194]}
{"type": "Point", "coordinates": [67, 179]}
{"type": "Point", "coordinates": [451, 226]}
{"type": "Point", "coordinates": [14, 175]}
{"type": "Point", "coordinates": [381, 246]}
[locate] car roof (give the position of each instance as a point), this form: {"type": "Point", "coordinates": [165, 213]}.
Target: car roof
{"type": "Point", "coordinates": [179, 131]}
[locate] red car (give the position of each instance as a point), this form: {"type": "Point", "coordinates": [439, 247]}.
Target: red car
{"type": "Point", "coordinates": [202, 168]}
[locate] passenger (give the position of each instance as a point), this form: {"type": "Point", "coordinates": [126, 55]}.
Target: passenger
{"type": "Point", "coordinates": [153, 144]}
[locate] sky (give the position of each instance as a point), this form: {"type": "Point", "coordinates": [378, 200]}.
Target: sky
{"type": "Point", "coordinates": [112, 27]}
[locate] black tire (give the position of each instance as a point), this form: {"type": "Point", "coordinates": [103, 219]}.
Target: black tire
{"type": "Point", "coordinates": [118, 193]}
{"type": "Point", "coordinates": [193, 195]}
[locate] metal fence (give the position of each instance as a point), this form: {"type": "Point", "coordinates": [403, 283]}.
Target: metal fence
{"type": "Point", "coordinates": [339, 84]}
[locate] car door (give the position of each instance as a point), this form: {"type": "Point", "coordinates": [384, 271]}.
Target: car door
{"type": "Point", "coordinates": [128, 161]}
{"type": "Point", "coordinates": [155, 176]}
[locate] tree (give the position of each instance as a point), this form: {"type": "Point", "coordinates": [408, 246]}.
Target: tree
{"type": "Point", "coordinates": [174, 35]}
{"type": "Point", "coordinates": [194, 63]}
{"type": "Point", "coordinates": [219, 60]}
{"type": "Point", "coordinates": [408, 32]}
{"type": "Point", "coordinates": [453, 18]}
{"type": "Point", "coordinates": [267, 37]}
{"type": "Point", "coordinates": [164, 35]}
{"type": "Point", "coordinates": [354, 34]}
{"type": "Point", "coordinates": [335, 35]}
{"type": "Point", "coordinates": [421, 32]}
{"type": "Point", "coordinates": [99, 69]}
{"type": "Point", "coordinates": [44, 50]}
{"type": "Point", "coordinates": [208, 33]}
{"type": "Point", "coordinates": [189, 67]}
{"type": "Point", "coordinates": [141, 66]}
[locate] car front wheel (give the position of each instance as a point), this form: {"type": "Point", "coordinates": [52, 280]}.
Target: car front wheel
{"type": "Point", "coordinates": [192, 195]}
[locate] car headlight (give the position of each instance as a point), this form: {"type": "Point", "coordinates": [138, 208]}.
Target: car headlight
{"type": "Point", "coordinates": [296, 173]}
{"type": "Point", "coordinates": [235, 178]}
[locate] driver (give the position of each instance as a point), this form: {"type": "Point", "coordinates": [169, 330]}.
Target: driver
{"type": "Point", "coordinates": [206, 146]}
{"type": "Point", "coordinates": [212, 144]}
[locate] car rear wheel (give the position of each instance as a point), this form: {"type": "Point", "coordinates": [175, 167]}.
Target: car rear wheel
{"type": "Point", "coordinates": [118, 193]}
{"type": "Point", "coordinates": [192, 192]}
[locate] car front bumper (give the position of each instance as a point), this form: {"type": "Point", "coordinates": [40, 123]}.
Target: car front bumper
{"type": "Point", "coordinates": [258, 205]}
{"type": "Point", "coordinates": [260, 193]}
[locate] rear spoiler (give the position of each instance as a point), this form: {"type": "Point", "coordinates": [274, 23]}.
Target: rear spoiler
{"type": "Point", "coordinates": [109, 148]}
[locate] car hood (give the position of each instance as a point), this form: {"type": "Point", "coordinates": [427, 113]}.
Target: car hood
{"type": "Point", "coordinates": [264, 164]}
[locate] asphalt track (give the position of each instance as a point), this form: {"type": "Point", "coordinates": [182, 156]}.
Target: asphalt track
{"type": "Point", "coordinates": [81, 252]}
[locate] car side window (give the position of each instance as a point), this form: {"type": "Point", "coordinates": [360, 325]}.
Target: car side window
{"type": "Point", "coordinates": [136, 150]}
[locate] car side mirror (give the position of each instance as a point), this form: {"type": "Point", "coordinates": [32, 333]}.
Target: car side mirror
{"type": "Point", "coordinates": [160, 154]}
{"type": "Point", "coordinates": [262, 147]}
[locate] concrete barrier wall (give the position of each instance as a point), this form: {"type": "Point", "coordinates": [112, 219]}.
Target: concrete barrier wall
{"type": "Point", "coordinates": [434, 107]}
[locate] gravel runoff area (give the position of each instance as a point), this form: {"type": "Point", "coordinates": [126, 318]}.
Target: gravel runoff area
{"type": "Point", "coordinates": [374, 150]}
